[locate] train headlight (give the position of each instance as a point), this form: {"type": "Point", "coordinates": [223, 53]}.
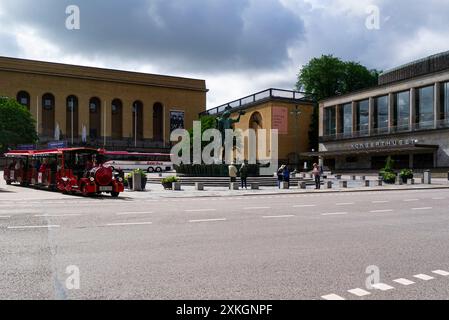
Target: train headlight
{"type": "Point", "coordinates": [120, 180]}
{"type": "Point", "coordinates": [92, 179]}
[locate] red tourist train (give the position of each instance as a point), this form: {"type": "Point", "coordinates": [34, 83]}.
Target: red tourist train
{"type": "Point", "coordinates": [74, 171]}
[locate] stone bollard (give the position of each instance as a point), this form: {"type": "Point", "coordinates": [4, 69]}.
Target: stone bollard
{"type": "Point", "coordinates": [234, 186]}
{"type": "Point", "coordinates": [363, 178]}
{"type": "Point", "coordinates": [380, 182]}
{"type": "Point", "coordinates": [343, 184]}
{"type": "Point", "coordinates": [353, 178]}
{"type": "Point", "coordinates": [329, 184]}
{"type": "Point", "coordinates": [255, 186]}
{"type": "Point", "coordinates": [427, 177]}
{"type": "Point", "coordinates": [199, 186]}
{"type": "Point", "coordinates": [367, 183]}
{"type": "Point", "coordinates": [176, 186]}
{"type": "Point", "coordinates": [285, 185]}
{"type": "Point", "coordinates": [302, 185]}
{"type": "Point", "coordinates": [410, 181]}
{"type": "Point", "coordinates": [399, 181]}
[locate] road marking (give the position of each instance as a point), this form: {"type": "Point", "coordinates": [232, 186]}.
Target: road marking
{"type": "Point", "coordinates": [34, 227]}
{"type": "Point", "coordinates": [410, 200]}
{"type": "Point", "coordinates": [5, 217]}
{"type": "Point", "coordinates": [274, 217]}
{"type": "Point", "coordinates": [382, 211]}
{"type": "Point", "coordinates": [441, 273]}
{"type": "Point", "coordinates": [424, 277]}
{"type": "Point", "coordinates": [207, 220]}
{"type": "Point", "coordinates": [345, 204]}
{"type": "Point", "coordinates": [256, 208]}
{"type": "Point", "coordinates": [334, 214]}
{"type": "Point", "coordinates": [132, 213]}
{"type": "Point", "coordinates": [200, 210]}
{"type": "Point", "coordinates": [128, 224]}
{"type": "Point", "coordinates": [359, 292]}
{"type": "Point", "coordinates": [404, 282]}
{"type": "Point", "coordinates": [381, 201]}
{"type": "Point", "coordinates": [333, 297]}
{"type": "Point", "coordinates": [382, 287]}
{"type": "Point", "coordinates": [305, 206]}
{"type": "Point", "coordinates": [424, 208]}
{"type": "Point", "coordinates": [439, 198]}
{"type": "Point", "coordinates": [56, 215]}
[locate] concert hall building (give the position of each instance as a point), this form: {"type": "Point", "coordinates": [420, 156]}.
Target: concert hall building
{"type": "Point", "coordinates": [406, 116]}
{"type": "Point", "coordinates": [102, 107]}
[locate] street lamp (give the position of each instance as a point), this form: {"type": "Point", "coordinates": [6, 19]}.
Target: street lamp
{"type": "Point", "coordinates": [296, 113]}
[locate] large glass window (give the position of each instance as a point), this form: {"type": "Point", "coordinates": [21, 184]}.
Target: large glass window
{"type": "Point", "coordinates": [424, 107]}
{"type": "Point", "coordinates": [444, 106]}
{"type": "Point", "coordinates": [402, 110]}
{"type": "Point", "coordinates": [381, 114]}
{"type": "Point", "coordinates": [345, 119]}
{"type": "Point", "coordinates": [363, 116]}
{"type": "Point", "coordinates": [330, 121]}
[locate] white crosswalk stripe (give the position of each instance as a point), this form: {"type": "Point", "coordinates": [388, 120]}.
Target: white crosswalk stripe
{"type": "Point", "coordinates": [332, 297]}
{"type": "Point", "coordinates": [423, 277]}
{"type": "Point", "coordinates": [404, 282]}
{"type": "Point", "coordinates": [359, 292]}
{"type": "Point", "coordinates": [441, 273]}
{"type": "Point", "coordinates": [382, 287]}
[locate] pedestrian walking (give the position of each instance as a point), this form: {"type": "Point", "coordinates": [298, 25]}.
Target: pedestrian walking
{"type": "Point", "coordinates": [317, 174]}
{"type": "Point", "coordinates": [244, 175]}
{"type": "Point", "coordinates": [233, 172]}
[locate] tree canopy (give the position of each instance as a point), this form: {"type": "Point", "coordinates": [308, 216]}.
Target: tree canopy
{"type": "Point", "coordinates": [17, 126]}
{"type": "Point", "coordinates": [330, 76]}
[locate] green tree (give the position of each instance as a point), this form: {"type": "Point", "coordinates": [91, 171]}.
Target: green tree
{"type": "Point", "coordinates": [17, 126]}
{"type": "Point", "coordinates": [329, 76]}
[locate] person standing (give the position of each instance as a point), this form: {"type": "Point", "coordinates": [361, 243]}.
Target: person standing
{"type": "Point", "coordinates": [286, 175]}
{"type": "Point", "coordinates": [317, 174]}
{"type": "Point", "coordinates": [280, 175]}
{"type": "Point", "coordinates": [233, 172]}
{"type": "Point", "coordinates": [244, 175]}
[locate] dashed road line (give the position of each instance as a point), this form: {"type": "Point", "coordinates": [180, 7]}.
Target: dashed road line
{"type": "Point", "coordinates": [424, 208]}
{"type": "Point", "coordinates": [56, 215]}
{"type": "Point", "coordinates": [128, 224]}
{"type": "Point", "coordinates": [382, 211]}
{"type": "Point", "coordinates": [200, 210]}
{"type": "Point", "coordinates": [441, 273]}
{"type": "Point", "coordinates": [274, 217]}
{"type": "Point", "coordinates": [333, 297]}
{"type": "Point", "coordinates": [380, 201]}
{"type": "Point", "coordinates": [410, 200]}
{"type": "Point", "coordinates": [33, 227]}
{"type": "Point", "coordinates": [404, 282]}
{"type": "Point", "coordinates": [256, 208]}
{"type": "Point", "coordinates": [5, 217]}
{"type": "Point", "coordinates": [132, 213]}
{"type": "Point", "coordinates": [334, 214]}
{"type": "Point", "coordinates": [208, 220]}
{"type": "Point", "coordinates": [345, 204]}
{"type": "Point", "coordinates": [382, 287]}
{"type": "Point", "coordinates": [359, 292]}
{"type": "Point", "coordinates": [305, 206]}
{"type": "Point", "coordinates": [423, 277]}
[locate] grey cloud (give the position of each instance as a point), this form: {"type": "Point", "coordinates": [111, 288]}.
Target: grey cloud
{"type": "Point", "coordinates": [193, 35]}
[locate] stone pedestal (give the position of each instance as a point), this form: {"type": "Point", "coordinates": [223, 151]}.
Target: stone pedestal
{"type": "Point", "coordinates": [234, 186]}
{"type": "Point", "coordinates": [199, 186]}
{"type": "Point", "coordinates": [255, 186]}
{"type": "Point", "coordinates": [330, 184]}
{"type": "Point", "coordinates": [343, 184]}
{"type": "Point", "coordinates": [176, 186]}
{"type": "Point", "coordinates": [137, 182]}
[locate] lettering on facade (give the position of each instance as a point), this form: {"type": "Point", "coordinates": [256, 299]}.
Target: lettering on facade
{"type": "Point", "coordinates": [383, 144]}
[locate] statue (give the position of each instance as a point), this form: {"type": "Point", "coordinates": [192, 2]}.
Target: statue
{"type": "Point", "coordinates": [225, 122]}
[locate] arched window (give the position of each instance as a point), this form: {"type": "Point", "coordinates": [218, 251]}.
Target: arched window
{"type": "Point", "coordinates": [48, 115]}
{"type": "Point", "coordinates": [158, 122]}
{"type": "Point", "coordinates": [117, 118]}
{"type": "Point", "coordinates": [138, 118]}
{"type": "Point", "coordinates": [72, 116]}
{"type": "Point", "coordinates": [95, 118]}
{"type": "Point", "coordinates": [23, 98]}
{"type": "Point", "coordinates": [256, 121]}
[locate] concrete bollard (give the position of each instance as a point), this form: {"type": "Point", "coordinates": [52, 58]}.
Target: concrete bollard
{"type": "Point", "coordinates": [255, 186]}
{"type": "Point", "coordinates": [330, 184]}
{"type": "Point", "coordinates": [410, 182]}
{"type": "Point", "coordinates": [199, 186]}
{"type": "Point", "coordinates": [137, 182]}
{"type": "Point", "coordinates": [234, 186]}
{"type": "Point", "coordinates": [343, 184]}
{"type": "Point", "coordinates": [302, 185]}
{"type": "Point", "coordinates": [379, 182]}
{"type": "Point", "coordinates": [285, 185]}
{"type": "Point", "coordinates": [399, 181]}
{"type": "Point", "coordinates": [367, 183]}
{"type": "Point", "coordinates": [353, 178]}
{"type": "Point", "coordinates": [363, 178]}
{"type": "Point", "coordinates": [176, 186]}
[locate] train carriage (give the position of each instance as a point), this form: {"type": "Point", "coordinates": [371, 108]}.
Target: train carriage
{"type": "Point", "coordinates": [75, 171]}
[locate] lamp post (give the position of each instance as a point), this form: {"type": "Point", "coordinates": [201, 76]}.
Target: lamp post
{"type": "Point", "coordinates": [135, 124]}
{"type": "Point", "coordinates": [296, 113]}
{"type": "Point", "coordinates": [72, 107]}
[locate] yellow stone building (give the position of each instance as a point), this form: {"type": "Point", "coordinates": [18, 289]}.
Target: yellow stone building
{"type": "Point", "coordinates": [288, 111]}
{"type": "Point", "coordinates": [108, 107]}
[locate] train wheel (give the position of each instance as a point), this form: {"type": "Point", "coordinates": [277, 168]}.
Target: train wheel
{"type": "Point", "coordinates": [8, 182]}
{"type": "Point", "coordinates": [115, 194]}
{"type": "Point", "coordinates": [84, 191]}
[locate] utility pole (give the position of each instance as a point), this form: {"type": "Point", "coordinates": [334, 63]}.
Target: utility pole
{"type": "Point", "coordinates": [296, 113]}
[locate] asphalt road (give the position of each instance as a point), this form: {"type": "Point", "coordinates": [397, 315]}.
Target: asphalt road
{"type": "Point", "coordinates": [314, 246]}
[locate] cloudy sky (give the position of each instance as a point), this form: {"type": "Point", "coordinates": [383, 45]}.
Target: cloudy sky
{"type": "Point", "coordinates": [238, 46]}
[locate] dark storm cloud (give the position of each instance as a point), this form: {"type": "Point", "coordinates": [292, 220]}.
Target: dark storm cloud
{"type": "Point", "coordinates": [188, 35]}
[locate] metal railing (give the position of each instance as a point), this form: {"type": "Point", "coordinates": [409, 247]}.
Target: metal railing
{"type": "Point", "coordinates": [422, 126]}
{"type": "Point", "coordinates": [257, 97]}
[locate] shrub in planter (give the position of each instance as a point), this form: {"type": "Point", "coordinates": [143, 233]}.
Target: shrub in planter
{"type": "Point", "coordinates": [389, 177]}
{"type": "Point", "coordinates": [167, 183]}
{"type": "Point", "coordinates": [406, 174]}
